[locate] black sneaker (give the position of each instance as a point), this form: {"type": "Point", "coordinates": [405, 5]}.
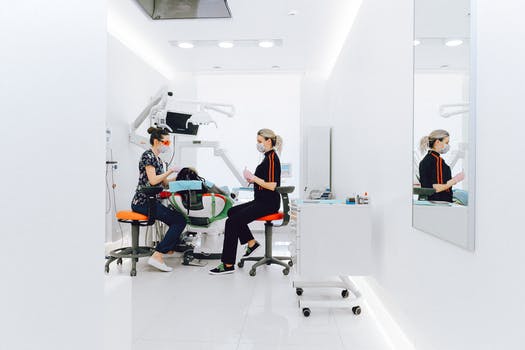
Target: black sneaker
{"type": "Point", "coordinates": [250, 250]}
{"type": "Point", "coordinates": [222, 270]}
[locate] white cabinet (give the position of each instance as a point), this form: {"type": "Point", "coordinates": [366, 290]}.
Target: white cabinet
{"type": "Point", "coordinates": [331, 239]}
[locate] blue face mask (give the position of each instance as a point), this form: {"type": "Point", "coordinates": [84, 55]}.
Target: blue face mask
{"type": "Point", "coordinates": [163, 149]}
{"type": "Point", "coordinates": [445, 149]}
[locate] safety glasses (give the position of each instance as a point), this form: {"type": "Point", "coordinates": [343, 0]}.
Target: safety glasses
{"type": "Point", "coordinates": [166, 142]}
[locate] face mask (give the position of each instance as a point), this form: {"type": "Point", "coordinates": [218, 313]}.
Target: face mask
{"type": "Point", "coordinates": [260, 147]}
{"type": "Point", "coordinates": [445, 149]}
{"type": "Point", "coordinates": [163, 149]}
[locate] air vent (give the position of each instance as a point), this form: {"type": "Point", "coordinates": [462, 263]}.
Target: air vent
{"type": "Point", "coordinates": [186, 9]}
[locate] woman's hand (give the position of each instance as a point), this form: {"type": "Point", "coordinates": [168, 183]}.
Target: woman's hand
{"type": "Point", "coordinates": [248, 176]}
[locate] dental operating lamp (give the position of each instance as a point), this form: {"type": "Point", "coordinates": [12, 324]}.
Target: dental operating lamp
{"type": "Point", "coordinates": [184, 123]}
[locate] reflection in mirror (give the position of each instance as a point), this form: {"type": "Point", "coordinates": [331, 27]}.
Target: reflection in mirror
{"type": "Point", "coordinates": [443, 140]}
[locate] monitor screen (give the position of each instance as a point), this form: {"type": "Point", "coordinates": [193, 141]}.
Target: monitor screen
{"type": "Point", "coordinates": [177, 123]}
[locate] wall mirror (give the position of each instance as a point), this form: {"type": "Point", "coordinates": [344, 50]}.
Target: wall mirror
{"type": "Point", "coordinates": [443, 134]}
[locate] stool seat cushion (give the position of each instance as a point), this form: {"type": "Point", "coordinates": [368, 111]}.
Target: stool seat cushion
{"type": "Point", "coordinates": [272, 217]}
{"type": "Point", "coordinates": [131, 215]}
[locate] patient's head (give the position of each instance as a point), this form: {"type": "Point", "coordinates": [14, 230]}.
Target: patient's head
{"type": "Point", "coordinates": [188, 173]}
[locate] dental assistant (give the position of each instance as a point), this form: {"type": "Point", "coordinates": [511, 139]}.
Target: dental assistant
{"type": "Point", "coordinates": [266, 201]}
{"type": "Point", "coordinates": [151, 173]}
{"type": "Point", "coordinates": [433, 170]}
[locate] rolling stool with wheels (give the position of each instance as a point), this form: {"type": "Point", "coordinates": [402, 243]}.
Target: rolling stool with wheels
{"type": "Point", "coordinates": [268, 257]}
{"type": "Point", "coordinates": [136, 220]}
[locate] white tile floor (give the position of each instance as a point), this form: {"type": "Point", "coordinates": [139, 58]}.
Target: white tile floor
{"type": "Point", "coordinates": [190, 309]}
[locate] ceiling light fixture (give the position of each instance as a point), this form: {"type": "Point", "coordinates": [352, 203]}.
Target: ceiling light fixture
{"type": "Point", "coordinates": [276, 67]}
{"type": "Point", "coordinates": [217, 67]}
{"type": "Point", "coordinates": [226, 44]}
{"type": "Point", "coordinates": [292, 12]}
{"type": "Point", "coordinates": [266, 44]}
{"type": "Point", "coordinates": [185, 45]}
{"type": "Point", "coordinates": [417, 42]}
{"type": "Point", "coordinates": [454, 42]}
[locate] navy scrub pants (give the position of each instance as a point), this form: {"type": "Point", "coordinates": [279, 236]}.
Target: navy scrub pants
{"type": "Point", "coordinates": [236, 228]}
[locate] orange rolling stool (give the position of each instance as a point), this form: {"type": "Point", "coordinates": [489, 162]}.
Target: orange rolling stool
{"type": "Point", "coordinates": [268, 257]}
{"type": "Point", "coordinates": [136, 220]}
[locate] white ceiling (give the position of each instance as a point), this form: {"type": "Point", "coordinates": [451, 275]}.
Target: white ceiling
{"type": "Point", "coordinates": [311, 39]}
{"type": "Point", "coordinates": [436, 21]}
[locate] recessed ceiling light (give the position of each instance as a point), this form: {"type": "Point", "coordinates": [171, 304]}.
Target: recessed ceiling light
{"type": "Point", "coordinates": [292, 12]}
{"type": "Point", "coordinates": [444, 66]}
{"type": "Point", "coordinates": [417, 42]}
{"type": "Point", "coordinates": [217, 67]}
{"type": "Point", "coordinates": [454, 42]}
{"type": "Point", "coordinates": [185, 45]}
{"type": "Point", "coordinates": [266, 43]}
{"type": "Point", "coordinates": [276, 67]}
{"type": "Point", "coordinates": [226, 44]}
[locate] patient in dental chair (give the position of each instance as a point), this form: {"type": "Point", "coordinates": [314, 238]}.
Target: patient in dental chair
{"type": "Point", "coordinates": [203, 205]}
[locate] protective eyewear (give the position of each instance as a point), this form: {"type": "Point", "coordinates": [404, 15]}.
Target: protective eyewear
{"type": "Point", "coordinates": [166, 142]}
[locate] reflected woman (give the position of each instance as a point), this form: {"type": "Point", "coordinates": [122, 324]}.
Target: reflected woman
{"type": "Point", "coordinates": [433, 170]}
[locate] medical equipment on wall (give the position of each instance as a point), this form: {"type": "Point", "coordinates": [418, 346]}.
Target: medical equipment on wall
{"type": "Point", "coordinates": [184, 123]}
{"type": "Point", "coordinates": [449, 110]}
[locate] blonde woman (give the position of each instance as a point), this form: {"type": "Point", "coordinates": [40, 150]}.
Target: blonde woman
{"type": "Point", "coordinates": [433, 171]}
{"type": "Point", "coordinates": [266, 201]}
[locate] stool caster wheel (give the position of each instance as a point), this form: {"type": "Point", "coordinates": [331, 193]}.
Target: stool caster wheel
{"type": "Point", "coordinates": [252, 273]}
{"type": "Point", "coordinates": [290, 263]}
{"type": "Point", "coordinates": [306, 312]}
{"type": "Point", "coordinates": [268, 263]}
{"type": "Point", "coordinates": [356, 310]}
{"type": "Point", "coordinates": [119, 261]}
{"type": "Point", "coordinates": [345, 293]}
{"type": "Point", "coordinates": [286, 271]}
{"type": "Point", "coordinates": [299, 291]}
{"type": "Point", "coordinates": [240, 264]}
{"type": "Point", "coordinates": [133, 273]}
{"type": "Point", "coordinates": [106, 269]}
{"type": "Point", "coordinates": [187, 257]}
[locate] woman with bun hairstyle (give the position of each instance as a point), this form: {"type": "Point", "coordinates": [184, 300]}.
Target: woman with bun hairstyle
{"type": "Point", "coordinates": [151, 173]}
{"type": "Point", "coordinates": [266, 201]}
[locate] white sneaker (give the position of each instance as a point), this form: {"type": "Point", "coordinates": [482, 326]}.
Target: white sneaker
{"type": "Point", "coordinates": [159, 265]}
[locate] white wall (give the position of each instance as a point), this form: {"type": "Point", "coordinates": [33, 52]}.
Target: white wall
{"type": "Point", "coordinates": [261, 101]}
{"type": "Point", "coordinates": [443, 297]}
{"type": "Point", "coordinates": [131, 84]}
{"type": "Point", "coordinates": [52, 98]}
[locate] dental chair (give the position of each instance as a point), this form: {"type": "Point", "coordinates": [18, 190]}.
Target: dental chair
{"type": "Point", "coordinates": [284, 217]}
{"type": "Point", "coordinates": [204, 213]}
{"type": "Point", "coordinates": [136, 220]}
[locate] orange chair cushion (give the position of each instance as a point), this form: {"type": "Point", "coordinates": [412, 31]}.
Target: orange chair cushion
{"type": "Point", "coordinates": [272, 217]}
{"type": "Point", "coordinates": [131, 215]}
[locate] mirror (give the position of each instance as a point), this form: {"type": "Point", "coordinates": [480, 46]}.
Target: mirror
{"type": "Point", "coordinates": [443, 137]}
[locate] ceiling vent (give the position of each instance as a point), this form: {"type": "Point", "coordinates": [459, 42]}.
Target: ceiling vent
{"type": "Point", "coordinates": [186, 9]}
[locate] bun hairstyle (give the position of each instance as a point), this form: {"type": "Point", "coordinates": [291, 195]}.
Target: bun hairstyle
{"type": "Point", "coordinates": [277, 141]}
{"type": "Point", "coordinates": [427, 142]}
{"type": "Point", "coordinates": [156, 134]}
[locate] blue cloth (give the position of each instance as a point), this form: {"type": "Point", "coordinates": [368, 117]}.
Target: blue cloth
{"type": "Point", "coordinates": [185, 185]}
{"type": "Point", "coordinates": [460, 196]}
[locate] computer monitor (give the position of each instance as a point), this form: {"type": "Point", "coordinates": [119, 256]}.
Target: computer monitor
{"type": "Point", "coordinates": [177, 122]}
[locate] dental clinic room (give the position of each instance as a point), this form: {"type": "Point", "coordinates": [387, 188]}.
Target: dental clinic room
{"type": "Point", "coordinates": [262, 175]}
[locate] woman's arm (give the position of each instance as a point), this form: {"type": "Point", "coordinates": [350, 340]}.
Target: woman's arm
{"type": "Point", "coordinates": [154, 179]}
{"type": "Point", "coordinates": [267, 185]}
{"type": "Point", "coordinates": [444, 187]}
